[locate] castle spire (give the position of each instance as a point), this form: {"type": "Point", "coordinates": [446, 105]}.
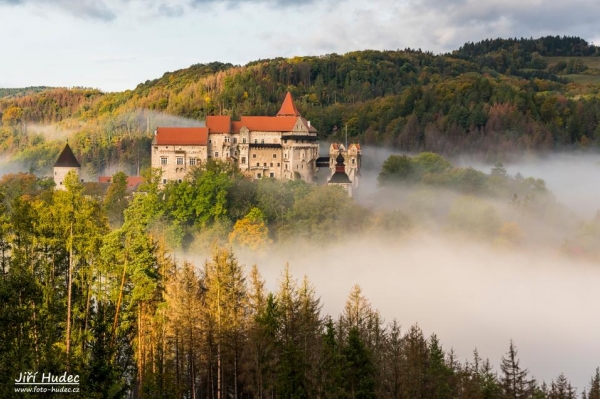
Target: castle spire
{"type": "Point", "coordinates": [288, 108]}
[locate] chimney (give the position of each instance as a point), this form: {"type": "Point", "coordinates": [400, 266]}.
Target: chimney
{"type": "Point", "coordinates": [309, 124]}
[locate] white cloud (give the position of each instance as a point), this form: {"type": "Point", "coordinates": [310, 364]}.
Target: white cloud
{"type": "Point", "coordinates": [156, 36]}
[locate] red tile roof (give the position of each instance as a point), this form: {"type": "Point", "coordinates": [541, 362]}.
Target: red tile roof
{"type": "Point", "coordinates": [132, 181]}
{"type": "Point", "coordinates": [181, 136]}
{"type": "Point", "coordinates": [218, 124]}
{"type": "Point", "coordinates": [266, 123]}
{"type": "Point", "coordinates": [288, 108]}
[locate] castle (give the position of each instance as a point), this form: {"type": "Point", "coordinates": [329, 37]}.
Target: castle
{"type": "Point", "coordinates": [284, 146]}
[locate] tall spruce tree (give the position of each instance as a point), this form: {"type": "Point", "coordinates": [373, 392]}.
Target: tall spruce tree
{"type": "Point", "coordinates": [515, 380]}
{"type": "Point", "coordinates": [594, 392]}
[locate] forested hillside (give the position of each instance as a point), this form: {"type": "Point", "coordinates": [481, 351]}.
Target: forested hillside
{"type": "Point", "coordinates": [495, 99]}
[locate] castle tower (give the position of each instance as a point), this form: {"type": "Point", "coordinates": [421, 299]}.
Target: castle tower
{"type": "Point", "coordinates": [352, 157]}
{"type": "Point", "coordinates": [340, 178]}
{"type": "Point", "coordinates": [65, 163]}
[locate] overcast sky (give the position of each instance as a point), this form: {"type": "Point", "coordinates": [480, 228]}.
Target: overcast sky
{"type": "Point", "coordinates": [115, 44]}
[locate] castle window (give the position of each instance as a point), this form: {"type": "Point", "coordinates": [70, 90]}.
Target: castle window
{"type": "Point", "coordinates": [235, 140]}
{"type": "Point", "coordinates": [164, 181]}
{"type": "Point", "coordinates": [209, 141]}
{"type": "Point", "coordinates": [258, 164]}
{"type": "Point", "coordinates": [192, 161]}
{"type": "Point", "coordinates": [216, 154]}
{"type": "Point", "coordinates": [274, 155]}
{"type": "Point", "coordinates": [179, 160]}
{"type": "Point", "coordinates": [253, 155]}
{"type": "Point", "coordinates": [255, 141]}
{"type": "Point", "coordinates": [258, 175]}
{"type": "Point", "coordinates": [353, 161]}
{"type": "Point", "coordinates": [271, 164]}
{"type": "Point", "coordinates": [243, 160]}
{"type": "Point", "coordinates": [163, 160]}
{"type": "Point", "coordinates": [179, 180]}
{"type": "Point", "coordinates": [271, 174]}
{"type": "Point", "coordinates": [235, 153]}
{"type": "Point", "coordinates": [244, 141]}
{"type": "Point", "coordinates": [286, 166]}
{"type": "Point", "coordinates": [262, 141]}
{"type": "Point", "coordinates": [265, 164]}
{"type": "Point", "coordinates": [278, 164]}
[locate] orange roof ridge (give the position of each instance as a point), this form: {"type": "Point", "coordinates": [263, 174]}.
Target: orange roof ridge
{"type": "Point", "coordinates": [288, 108]}
{"type": "Point", "coordinates": [218, 124]}
{"type": "Point", "coordinates": [181, 136]}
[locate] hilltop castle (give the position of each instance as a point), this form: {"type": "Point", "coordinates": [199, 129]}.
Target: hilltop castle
{"type": "Point", "coordinates": [284, 146]}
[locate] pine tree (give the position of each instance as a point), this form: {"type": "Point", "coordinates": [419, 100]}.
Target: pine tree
{"type": "Point", "coordinates": [594, 392]}
{"type": "Point", "coordinates": [515, 382]}
{"type": "Point", "coordinates": [331, 366]}
{"type": "Point", "coordinates": [390, 386]}
{"type": "Point", "coordinates": [184, 296]}
{"type": "Point", "coordinates": [359, 373]}
{"type": "Point", "coordinates": [438, 374]}
{"type": "Point", "coordinates": [416, 359]}
{"type": "Point", "coordinates": [292, 363]}
{"type": "Point", "coordinates": [561, 389]}
{"type": "Point", "coordinates": [225, 314]}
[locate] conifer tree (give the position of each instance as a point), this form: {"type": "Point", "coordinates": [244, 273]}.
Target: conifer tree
{"type": "Point", "coordinates": [291, 381]}
{"type": "Point", "coordinates": [225, 316]}
{"type": "Point", "coordinates": [594, 392]}
{"type": "Point", "coordinates": [416, 359]}
{"type": "Point", "coordinates": [331, 366]}
{"type": "Point", "coordinates": [359, 373]}
{"type": "Point", "coordinates": [515, 382]}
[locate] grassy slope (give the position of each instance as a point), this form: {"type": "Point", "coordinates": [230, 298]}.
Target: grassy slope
{"type": "Point", "coordinates": [592, 76]}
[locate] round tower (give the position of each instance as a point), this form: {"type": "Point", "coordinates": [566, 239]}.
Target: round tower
{"type": "Point", "coordinates": [65, 163]}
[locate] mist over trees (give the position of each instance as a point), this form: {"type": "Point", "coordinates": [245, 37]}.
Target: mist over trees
{"type": "Point", "coordinates": [496, 99]}
{"type": "Point", "coordinates": [90, 284]}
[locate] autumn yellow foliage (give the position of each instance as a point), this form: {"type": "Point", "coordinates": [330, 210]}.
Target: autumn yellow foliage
{"type": "Point", "coordinates": [251, 232]}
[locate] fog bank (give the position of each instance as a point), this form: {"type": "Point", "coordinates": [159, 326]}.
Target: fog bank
{"type": "Point", "coordinates": [470, 295]}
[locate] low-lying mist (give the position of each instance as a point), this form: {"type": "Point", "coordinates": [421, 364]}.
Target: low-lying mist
{"type": "Point", "coordinates": [572, 177]}
{"type": "Point", "coordinates": [523, 282]}
{"type": "Point", "coordinates": [472, 295]}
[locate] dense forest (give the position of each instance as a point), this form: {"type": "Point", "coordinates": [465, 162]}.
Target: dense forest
{"type": "Point", "coordinates": [90, 284]}
{"type": "Point", "coordinates": [497, 99]}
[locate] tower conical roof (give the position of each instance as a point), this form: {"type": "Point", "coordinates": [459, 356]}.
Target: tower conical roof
{"type": "Point", "coordinates": [67, 159]}
{"type": "Point", "coordinates": [340, 176]}
{"type": "Point", "coordinates": [288, 108]}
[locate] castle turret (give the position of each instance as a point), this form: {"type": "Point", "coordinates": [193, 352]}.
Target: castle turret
{"type": "Point", "coordinates": [65, 163]}
{"type": "Point", "coordinates": [340, 177]}
{"type": "Point", "coordinates": [352, 158]}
